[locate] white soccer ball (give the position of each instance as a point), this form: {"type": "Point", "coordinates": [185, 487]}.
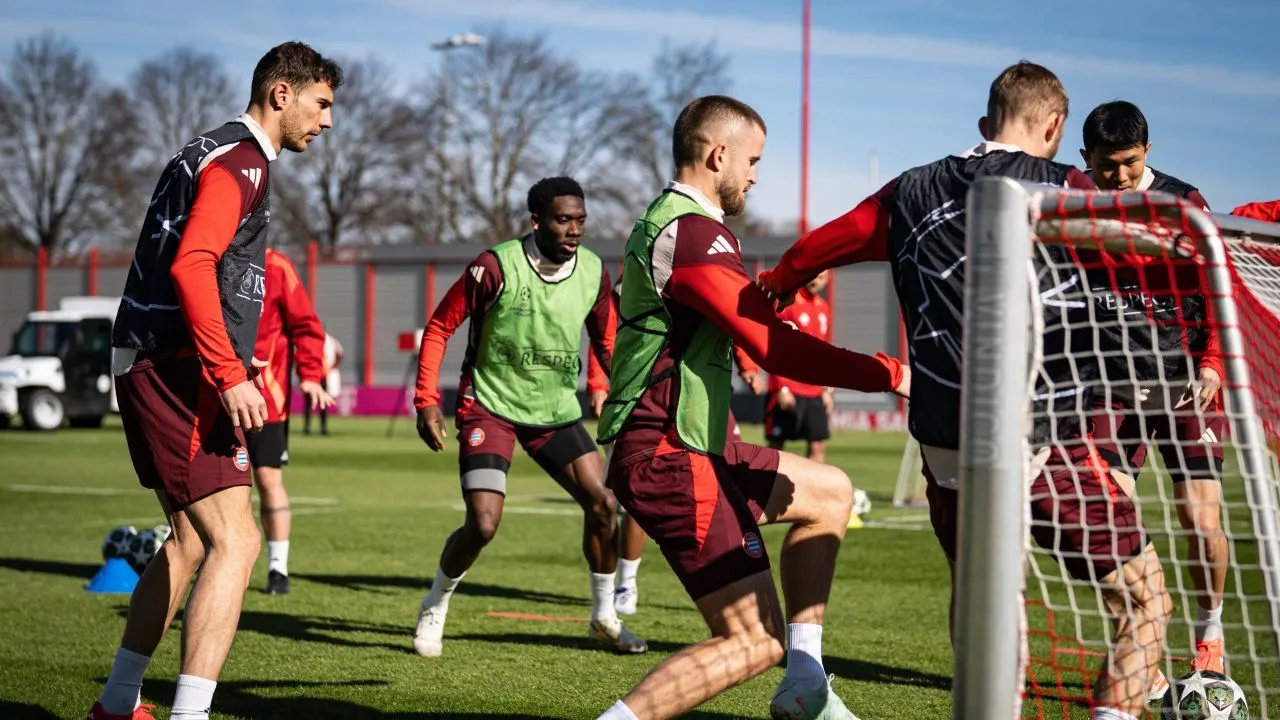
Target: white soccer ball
{"type": "Point", "coordinates": [1204, 695]}
{"type": "Point", "coordinates": [142, 547]}
{"type": "Point", "coordinates": [861, 503]}
{"type": "Point", "coordinates": [116, 543]}
{"type": "Point", "coordinates": [162, 531]}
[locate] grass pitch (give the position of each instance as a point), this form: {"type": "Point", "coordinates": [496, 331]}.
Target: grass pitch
{"type": "Point", "coordinates": [370, 515]}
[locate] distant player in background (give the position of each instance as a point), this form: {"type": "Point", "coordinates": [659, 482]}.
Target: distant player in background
{"type": "Point", "coordinates": [1264, 210]}
{"type": "Point", "coordinates": [796, 410]}
{"type": "Point", "coordinates": [1149, 336]}
{"type": "Point", "coordinates": [917, 223]}
{"type": "Point", "coordinates": [634, 538]}
{"type": "Point", "coordinates": [332, 384]}
{"type": "Point", "coordinates": [528, 300]}
{"type": "Point", "coordinates": [697, 492]}
{"type": "Point", "coordinates": [289, 335]}
{"type": "Point", "coordinates": [182, 356]}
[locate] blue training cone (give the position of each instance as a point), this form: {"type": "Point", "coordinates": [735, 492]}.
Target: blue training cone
{"type": "Point", "coordinates": [116, 576]}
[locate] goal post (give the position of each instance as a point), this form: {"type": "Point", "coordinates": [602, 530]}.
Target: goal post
{"type": "Point", "coordinates": [1025, 627]}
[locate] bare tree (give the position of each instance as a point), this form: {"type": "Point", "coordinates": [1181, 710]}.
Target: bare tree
{"type": "Point", "coordinates": [177, 96]}
{"type": "Point", "coordinates": [680, 74]}
{"type": "Point", "coordinates": [345, 185]}
{"type": "Point", "coordinates": [514, 111]}
{"type": "Point", "coordinates": [64, 144]}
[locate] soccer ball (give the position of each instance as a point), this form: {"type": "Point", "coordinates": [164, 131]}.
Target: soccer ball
{"type": "Point", "coordinates": [142, 547]}
{"type": "Point", "coordinates": [861, 503]}
{"type": "Point", "coordinates": [1204, 695]}
{"type": "Point", "coordinates": [162, 532]}
{"type": "Point", "coordinates": [116, 543]}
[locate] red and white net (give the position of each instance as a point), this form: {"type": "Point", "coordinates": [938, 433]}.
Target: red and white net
{"type": "Point", "coordinates": [1129, 309]}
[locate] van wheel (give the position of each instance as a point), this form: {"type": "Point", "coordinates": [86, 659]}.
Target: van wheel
{"type": "Point", "coordinates": [41, 410]}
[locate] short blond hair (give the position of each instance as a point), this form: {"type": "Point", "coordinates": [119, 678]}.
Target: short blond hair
{"type": "Point", "coordinates": [1024, 91]}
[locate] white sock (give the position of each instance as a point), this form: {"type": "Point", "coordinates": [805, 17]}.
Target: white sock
{"type": "Point", "coordinates": [278, 556]}
{"type": "Point", "coordinates": [1208, 624]}
{"type": "Point", "coordinates": [804, 655]}
{"type": "Point", "coordinates": [619, 711]}
{"type": "Point", "coordinates": [1111, 714]}
{"type": "Point", "coordinates": [193, 698]}
{"type": "Point", "coordinates": [627, 572]}
{"type": "Point", "coordinates": [441, 589]}
{"type": "Point", "coordinates": [602, 597]}
{"type": "Point", "coordinates": [124, 685]}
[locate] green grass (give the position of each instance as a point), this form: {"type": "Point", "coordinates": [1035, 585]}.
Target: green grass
{"type": "Point", "coordinates": [371, 514]}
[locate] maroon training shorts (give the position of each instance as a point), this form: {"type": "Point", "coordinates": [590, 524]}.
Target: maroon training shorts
{"type": "Point", "coordinates": [180, 438]}
{"type": "Point", "coordinates": [700, 509]}
{"type": "Point", "coordinates": [1190, 442]}
{"type": "Point", "coordinates": [486, 444]}
{"type": "Point", "coordinates": [1077, 512]}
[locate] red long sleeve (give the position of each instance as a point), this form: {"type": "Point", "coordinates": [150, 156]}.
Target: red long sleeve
{"type": "Point", "coordinates": [738, 307]}
{"type": "Point", "coordinates": [860, 235]}
{"type": "Point", "coordinates": [224, 196]}
{"type": "Point", "coordinates": [445, 321]}
{"type": "Point", "coordinates": [601, 331]}
{"type": "Point", "coordinates": [303, 327]}
{"type": "Point", "coordinates": [744, 361]}
{"type": "Point", "coordinates": [1268, 211]}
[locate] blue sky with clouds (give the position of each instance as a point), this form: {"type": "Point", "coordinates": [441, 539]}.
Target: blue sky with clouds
{"type": "Point", "coordinates": [904, 79]}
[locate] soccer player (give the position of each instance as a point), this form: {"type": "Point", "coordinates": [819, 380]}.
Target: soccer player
{"type": "Point", "coordinates": [796, 410]}
{"type": "Point", "coordinates": [289, 334]}
{"type": "Point", "coordinates": [916, 222]}
{"type": "Point", "coordinates": [185, 374]}
{"type": "Point", "coordinates": [687, 301]}
{"type": "Point", "coordinates": [634, 539]}
{"type": "Point", "coordinates": [1151, 334]}
{"type": "Point", "coordinates": [1265, 210]}
{"type": "Point", "coordinates": [528, 300]}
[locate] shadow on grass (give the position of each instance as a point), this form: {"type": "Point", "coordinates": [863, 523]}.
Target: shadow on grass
{"type": "Point", "coordinates": [382, 583]}
{"type": "Point", "coordinates": [570, 642]}
{"type": "Point", "coordinates": [23, 711]}
{"type": "Point", "coordinates": [50, 567]}
{"type": "Point", "coordinates": [873, 672]}
{"type": "Point", "coordinates": [315, 629]}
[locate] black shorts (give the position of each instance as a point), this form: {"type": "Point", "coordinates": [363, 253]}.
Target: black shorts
{"type": "Point", "coordinates": [269, 447]}
{"type": "Point", "coordinates": [806, 421]}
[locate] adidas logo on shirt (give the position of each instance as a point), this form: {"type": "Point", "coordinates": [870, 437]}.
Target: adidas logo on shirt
{"type": "Point", "coordinates": [254, 175]}
{"type": "Point", "coordinates": [720, 246]}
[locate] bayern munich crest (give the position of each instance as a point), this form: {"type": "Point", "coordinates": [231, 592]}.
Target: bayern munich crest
{"type": "Point", "coordinates": [752, 545]}
{"type": "Point", "coordinates": [476, 437]}
{"type": "Point", "coordinates": [242, 459]}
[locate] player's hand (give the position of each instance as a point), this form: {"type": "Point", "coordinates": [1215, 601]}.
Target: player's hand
{"type": "Point", "coordinates": [245, 405]}
{"type": "Point", "coordinates": [431, 427]}
{"type": "Point", "coordinates": [1210, 383]}
{"type": "Point", "coordinates": [317, 397]}
{"type": "Point", "coordinates": [753, 381]}
{"type": "Point", "coordinates": [597, 402]}
{"type": "Point", "coordinates": [904, 387]}
{"type": "Point", "coordinates": [258, 378]}
{"type": "Point", "coordinates": [772, 287]}
{"type": "Point", "coordinates": [828, 400]}
{"type": "Point", "coordinates": [785, 400]}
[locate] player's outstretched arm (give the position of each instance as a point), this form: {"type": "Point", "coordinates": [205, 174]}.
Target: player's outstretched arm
{"type": "Point", "coordinates": [728, 298]}
{"type": "Point", "coordinates": [476, 289]}
{"type": "Point", "coordinates": [860, 235]}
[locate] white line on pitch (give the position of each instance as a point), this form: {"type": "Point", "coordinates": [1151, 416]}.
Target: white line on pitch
{"type": "Point", "coordinates": [523, 510]}
{"type": "Point", "coordinates": [67, 490]}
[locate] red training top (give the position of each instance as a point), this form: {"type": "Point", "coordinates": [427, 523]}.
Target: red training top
{"type": "Point", "coordinates": [289, 333]}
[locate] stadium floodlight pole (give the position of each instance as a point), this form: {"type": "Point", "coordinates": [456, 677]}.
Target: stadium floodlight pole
{"type": "Point", "coordinates": [804, 119]}
{"type": "Point", "coordinates": [989, 563]}
{"type": "Point", "coordinates": [446, 46]}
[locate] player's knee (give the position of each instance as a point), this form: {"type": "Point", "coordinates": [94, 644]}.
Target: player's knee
{"type": "Point", "coordinates": [603, 511]}
{"type": "Point", "coordinates": [482, 528]}
{"type": "Point", "coordinates": [1202, 518]}
{"type": "Point", "coordinates": [836, 491]}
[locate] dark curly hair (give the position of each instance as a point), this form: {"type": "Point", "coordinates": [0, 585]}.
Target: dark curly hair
{"type": "Point", "coordinates": [546, 190]}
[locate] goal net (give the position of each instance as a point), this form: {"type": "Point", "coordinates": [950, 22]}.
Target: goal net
{"type": "Point", "coordinates": [1095, 327]}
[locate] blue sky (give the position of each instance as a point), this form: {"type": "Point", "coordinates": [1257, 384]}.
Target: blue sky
{"type": "Point", "coordinates": [905, 79]}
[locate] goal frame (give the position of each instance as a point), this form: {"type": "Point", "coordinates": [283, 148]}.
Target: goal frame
{"type": "Point", "coordinates": [1005, 218]}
